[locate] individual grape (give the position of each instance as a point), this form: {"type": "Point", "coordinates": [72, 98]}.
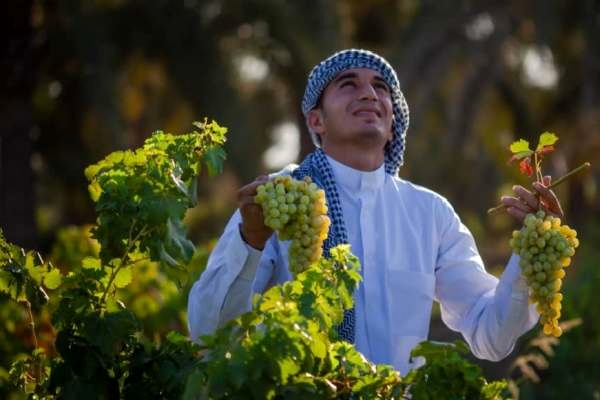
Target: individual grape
{"type": "Point", "coordinates": [297, 210]}
{"type": "Point", "coordinates": [546, 247]}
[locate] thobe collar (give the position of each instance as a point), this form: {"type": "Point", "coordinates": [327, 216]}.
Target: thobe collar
{"type": "Point", "coordinates": [355, 180]}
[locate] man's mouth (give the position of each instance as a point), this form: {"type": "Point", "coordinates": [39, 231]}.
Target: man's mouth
{"type": "Point", "coordinates": [366, 112]}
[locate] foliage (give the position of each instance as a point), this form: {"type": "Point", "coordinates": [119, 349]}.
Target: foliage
{"type": "Point", "coordinates": [141, 196]}
{"type": "Point", "coordinates": [156, 300]}
{"type": "Point", "coordinates": [100, 352]}
{"type": "Point", "coordinates": [521, 151]}
{"type": "Point", "coordinates": [285, 347]}
{"type": "Point", "coordinates": [72, 245]}
{"type": "Point", "coordinates": [447, 375]}
{"type": "Point", "coordinates": [24, 276]}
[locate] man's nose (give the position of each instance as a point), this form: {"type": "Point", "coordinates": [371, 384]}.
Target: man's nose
{"type": "Point", "coordinates": [367, 91]}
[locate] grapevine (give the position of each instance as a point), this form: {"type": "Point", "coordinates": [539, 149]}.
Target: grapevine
{"type": "Point", "coordinates": [298, 212]}
{"type": "Point", "coordinates": [89, 338]}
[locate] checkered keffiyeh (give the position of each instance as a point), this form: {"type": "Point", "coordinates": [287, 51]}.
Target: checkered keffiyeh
{"type": "Point", "coordinates": [317, 167]}
{"type": "Point", "coordinates": [316, 164]}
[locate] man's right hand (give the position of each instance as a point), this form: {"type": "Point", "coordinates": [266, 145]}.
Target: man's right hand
{"type": "Point", "coordinates": [253, 228]}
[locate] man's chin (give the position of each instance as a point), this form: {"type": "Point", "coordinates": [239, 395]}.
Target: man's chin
{"type": "Point", "coordinates": [372, 134]}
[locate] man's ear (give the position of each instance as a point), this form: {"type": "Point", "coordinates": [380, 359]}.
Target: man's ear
{"type": "Point", "coordinates": [391, 131]}
{"type": "Point", "coordinates": [314, 120]}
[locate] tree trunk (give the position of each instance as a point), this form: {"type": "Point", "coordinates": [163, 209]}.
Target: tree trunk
{"type": "Point", "coordinates": [16, 177]}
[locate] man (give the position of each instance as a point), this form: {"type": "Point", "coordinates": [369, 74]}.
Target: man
{"type": "Point", "coordinates": [412, 246]}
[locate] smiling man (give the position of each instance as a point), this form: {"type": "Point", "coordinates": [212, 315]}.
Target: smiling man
{"type": "Point", "coordinates": [353, 121]}
{"type": "Point", "coordinates": [412, 246]}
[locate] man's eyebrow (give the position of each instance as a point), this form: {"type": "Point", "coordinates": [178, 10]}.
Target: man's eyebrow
{"type": "Point", "coordinates": [345, 75]}
{"type": "Point", "coordinates": [352, 75]}
{"type": "Point", "coordinates": [380, 79]}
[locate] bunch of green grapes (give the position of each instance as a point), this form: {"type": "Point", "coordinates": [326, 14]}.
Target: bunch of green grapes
{"type": "Point", "coordinates": [297, 211]}
{"type": "Point", "coordinates": [546, 248]}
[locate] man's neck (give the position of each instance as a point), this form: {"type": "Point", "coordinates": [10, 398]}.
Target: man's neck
{"type": "Point", "coordinates": [362, 160]}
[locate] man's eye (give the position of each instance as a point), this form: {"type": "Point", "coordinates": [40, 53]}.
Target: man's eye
{"type": "Point", "coordinates": [381, 86]}
{"type": "Point", "coordinates": [347, 83]}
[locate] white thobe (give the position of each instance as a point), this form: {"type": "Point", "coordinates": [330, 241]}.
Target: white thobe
{"type": "Point", "coordinates": [413, 250]}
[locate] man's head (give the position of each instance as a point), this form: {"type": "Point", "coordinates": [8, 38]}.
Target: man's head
{"type": "Point", "coordinates": [365, 89]}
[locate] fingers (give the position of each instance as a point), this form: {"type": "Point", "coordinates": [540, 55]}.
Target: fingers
{"type": "Point", "coordinates": [252, 228]}
{"type": "Point", "coordinates": [515, 203]}
{"type": "Point", "coordinates": [517, 214]}
{"type": "Point", "coordinates": [548, 199]}
{"type": "Point", "coordinates": [524, 203]}
{"type": "Point", "coordinates": [516, 207]}
{"type": "Point", "coordinates": [249, 191]}
{"type": "Point", "coordinates": [526, 196]}
{"type": "Point", "coordinates": [527, 202]}
{"type": "Point", "coordinates": [547, 180]}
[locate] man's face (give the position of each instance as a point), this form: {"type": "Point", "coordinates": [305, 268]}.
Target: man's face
{"type": "Point", "coordinates": [355, 107]}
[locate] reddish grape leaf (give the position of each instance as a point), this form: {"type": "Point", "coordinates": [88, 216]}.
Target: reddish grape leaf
{"type": "Point", "coordinates": [545, 149]}
{"type": "Point", "coordinates": [525, 167]}
{"type": "Point", "coordinates": [520, 155]}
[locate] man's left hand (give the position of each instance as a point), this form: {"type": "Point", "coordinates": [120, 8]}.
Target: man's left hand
{"type": "Point", "coordinates": [527, 202]}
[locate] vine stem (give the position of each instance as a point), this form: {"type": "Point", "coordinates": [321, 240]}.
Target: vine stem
{"type": "Point", "coordinates": [38, 367]}
{"type": "Point", "coordinates": [31, 323]}
{"type": "Point", "coordinates": [115, 271]}
{"type": "Point", "coordinates": [539, 177]}
{"type": "Point", "coordinates": [560, 180]}
{"type": "Point", "coordinates": [538, 170]}
{"type": "Point", "coordinates": [569, 174]}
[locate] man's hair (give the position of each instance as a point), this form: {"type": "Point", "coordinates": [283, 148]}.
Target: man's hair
{"type": "Point", "coordinates": [315, 137]}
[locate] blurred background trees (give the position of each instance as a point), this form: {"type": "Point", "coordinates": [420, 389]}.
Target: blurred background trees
{"type": "Point", "coordinates": [84, 78]}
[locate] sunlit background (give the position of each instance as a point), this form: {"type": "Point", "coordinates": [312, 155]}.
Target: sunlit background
{"type": "Point", "coordinates": [84, 78]}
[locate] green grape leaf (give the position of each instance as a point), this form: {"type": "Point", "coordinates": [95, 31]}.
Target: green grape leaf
{"type": "Point", "coordinates": [546, 139]}
{"type": "Point", "coordinates": [520, 146]}
{"type": "Point", "coordinates": [123, 278]}
{"type": "Point", "coordinates": [215, 133]}
{"type": "Point", "coordinates": [178, 249]}
{"type": "Point", "coordinates": [4, 281]}
{"type": "Point", "coordinates": [434, 349]}
{"type": "Point", "coordinates": [287, 367]}
{"type": "Point", "coordinates": [193, 386]}
{"type": "Point", "coordinates": [91, 171]}
{"type": "Point", "coordinates": [177, 338]}
{"type": "Point", "coordinates": [318, 346]}
{"type": "Point", "coordinates": [179, 183]}
{"type": "Point", "coordinates": [35, 272]}
{"type": "Point", "coordinates": [214, 160]}
{"type": "Point", "coordinates": [91, 263]}
{"type": "Point", "coordinates": [520, 150]}
{"type": "Point", "coordinates": [53, 279]}
{"type": "Point", "coordinates": [113, 305]}
{"type": "Point", "coordinates": [29, 262]}
{"type": "Point", "coordinates": [108, 330]}
{"type": "Point", "coordinates": [95, 191]}
{"type": "Point", "coordinates": [493, 390]}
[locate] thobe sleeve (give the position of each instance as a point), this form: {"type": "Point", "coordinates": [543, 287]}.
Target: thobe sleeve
{"type": "Point", "coordinates": [225, 288]}
{"type": "Point", "coordinates": [491, 314]}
